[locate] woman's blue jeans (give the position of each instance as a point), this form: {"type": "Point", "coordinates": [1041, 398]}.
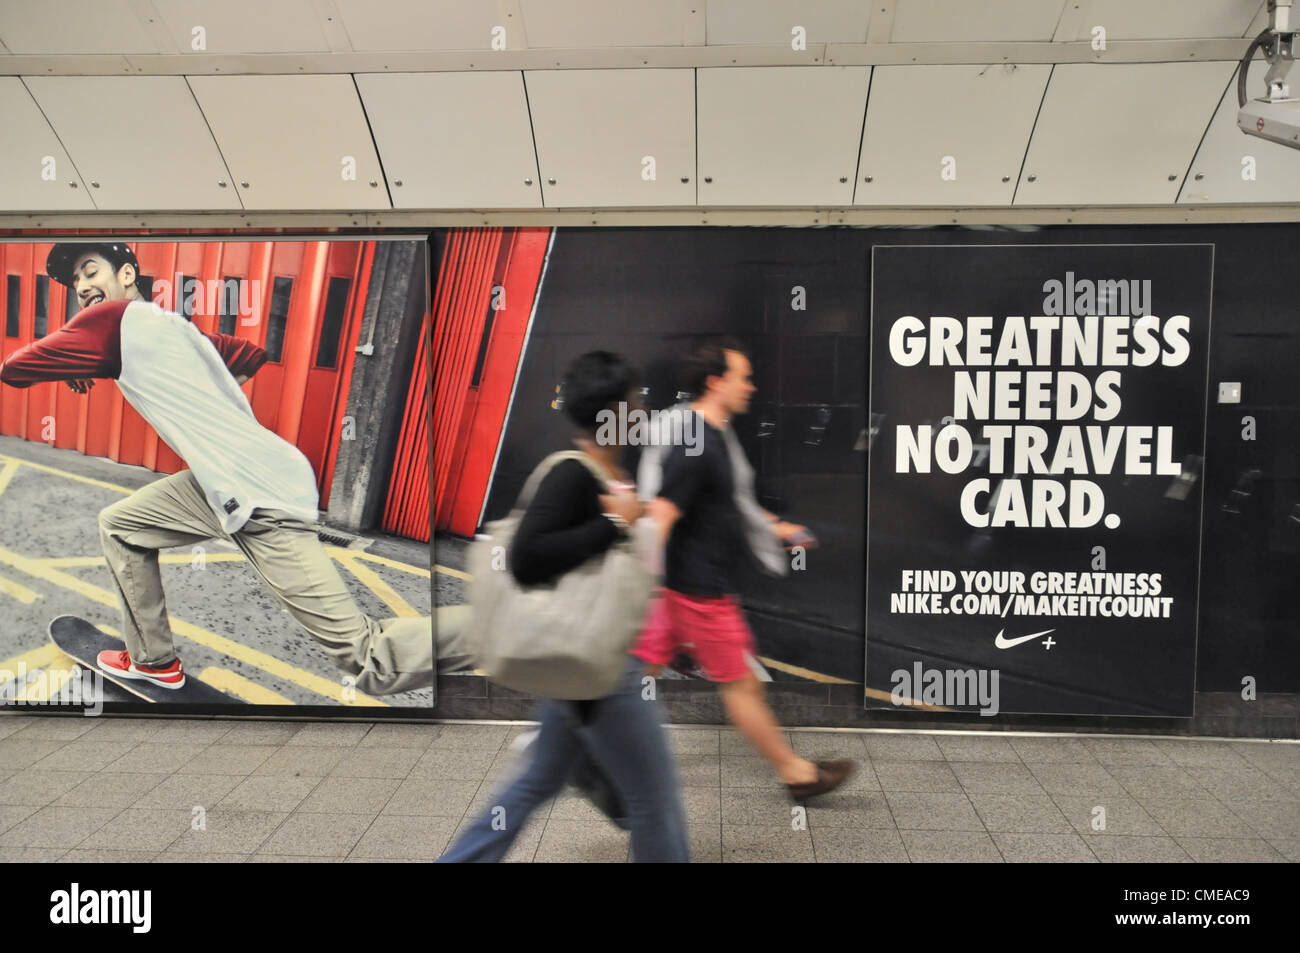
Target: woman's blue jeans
{"type": "Point", "coordinates": [623, 734]}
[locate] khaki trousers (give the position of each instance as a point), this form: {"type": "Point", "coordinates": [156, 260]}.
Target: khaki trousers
{"type": "Point", "coordinates": [392, 655]}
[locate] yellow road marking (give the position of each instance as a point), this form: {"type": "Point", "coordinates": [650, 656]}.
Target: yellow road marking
{"type": "Point", "coordinates": [167, 559]}
{"type": "Point", "coordinates": [109, 630]}
{"type": "Point", "coordinates": [803, 672]}
{"type": "Point", "coordinates": [374, 583]}
{"type": "Point", "coordinates": [385, 561]}
{"type": "Point", "coordinates": [47, 655]}
{"type": "Point", "coordinates": [910, 702]}
{"type": "Point", "coordinates": [250, 656]}
{"type": "Point", "coordinates": [455, 573]}
{"type": "Point", "coordinates": [64, 473]}
{"type": "Point", "coordinates": [232, 683]}
{"type": "Point", "coordinates": [7, 474]}
{"type": "Point", "coordinates": [50, 685]}
{"type": "Point", "coordinates": [18, 591]}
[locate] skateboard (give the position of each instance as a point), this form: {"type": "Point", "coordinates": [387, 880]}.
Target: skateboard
{"type": "Point", "coordinates": [81, 641]}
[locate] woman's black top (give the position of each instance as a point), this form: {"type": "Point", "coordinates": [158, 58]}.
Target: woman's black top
{"type": "Point", "coordinates": [562, 528]}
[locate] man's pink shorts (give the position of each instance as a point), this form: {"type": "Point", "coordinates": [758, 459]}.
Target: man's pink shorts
{"type": "Point", "coordinates": [711, 629]}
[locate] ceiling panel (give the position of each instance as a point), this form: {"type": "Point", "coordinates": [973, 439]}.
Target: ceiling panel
{"type": "Point", "coordinates": [424, 24]}
{"type": "Point", "coordinates": [919, 117]}
{"type": "Point", "coordinates": [35, 172]}
{"type": "Point", "coordinates": [1119, 133]}
{"type": "Point", "coordinates": [74, 26]}
{"type": "Point", "coordinates": [783, 135]}
{"type": "Point", "coordinates": [1217, 170]}
{"type": "Point", "coordinates": [453, 140]}
{"type": "Point", "coordinates": [825, 21]}
{"type": "Point", "coordinates": [1166, 19]}
{"type": "Point", "coordinates": [594, 130]}
{"type": "Point", "coordinates": [243, 26]}
{"type": "Point", "coordinates": [290, 138]}
{"type": "Point", "coordinates": [583, 24]}
{"type": "Point", "coordinates": [179, 169]}
{"type": "Point", "coordinates": [958, 21]}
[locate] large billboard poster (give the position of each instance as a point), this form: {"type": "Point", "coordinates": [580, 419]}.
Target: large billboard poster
{"type": "Point", "coordinates": [206, 473]}
{"type": "Point", "coordinates": [1034, 494]}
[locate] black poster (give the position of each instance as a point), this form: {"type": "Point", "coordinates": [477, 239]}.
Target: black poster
{"type": "Point", "coordinates": [1034, 495]}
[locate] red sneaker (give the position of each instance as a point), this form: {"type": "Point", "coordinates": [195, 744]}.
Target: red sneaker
{"type": "Point", "coordinates": [120, 664]}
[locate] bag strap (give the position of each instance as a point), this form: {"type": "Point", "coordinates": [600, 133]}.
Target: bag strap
{"type": "Point", "coordinates": [539, 474]}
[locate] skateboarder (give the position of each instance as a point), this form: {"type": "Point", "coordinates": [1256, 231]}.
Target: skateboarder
{"type": "Point", "coordinates": [244, 483]}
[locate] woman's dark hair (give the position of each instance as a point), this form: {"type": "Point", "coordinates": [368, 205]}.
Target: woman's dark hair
{"type": "Point", "coordinates": [709, 359]}
{"type": "Point", "coordinates": [593, 382]}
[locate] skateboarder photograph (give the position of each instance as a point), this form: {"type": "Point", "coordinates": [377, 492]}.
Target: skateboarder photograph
{"type": "Point", "coordinates": [243, 483]}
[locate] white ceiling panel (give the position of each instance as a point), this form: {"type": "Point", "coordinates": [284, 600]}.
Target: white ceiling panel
{"type": "Point", "coordinates": [35, 172]}
{"type": "Point", "coordinates": [1119, 134]}
{"type": "Point", "coordinates": [243, 26]}
{"type": "Point", "coordinates": [783, 135]}
{"type": "Point", "coordinates": [453, 140]}
{"type": "Point", "coordinates": [583, 24]}
{"type": "Point", "coordinates": [732, 22]}
{"type": "Point", "coordinates": [947, 135]}
{"type": "Point", "coordinates": [964, 21]}
{"type": "Point", "coordinates": [1166, 19]}
{"type": "Point", "coordinates": [1220, 172]}
{"type": "Point", "coordinates": [426, 24]}
{"type": "Point", "coordinates": [177, 166]}
{"type": "Point", "coordinates": [74, 26]}
{"type": "Point", "coordinates": [293, 142]}
{"type": "Point", "coordinates": [596, 129]}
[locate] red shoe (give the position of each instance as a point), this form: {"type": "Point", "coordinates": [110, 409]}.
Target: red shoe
{"type": "Point", "coordinates": [120, 664]}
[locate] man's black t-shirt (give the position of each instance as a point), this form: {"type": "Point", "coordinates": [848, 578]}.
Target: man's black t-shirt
{"type": "Point", "coordinates": [706, 542]}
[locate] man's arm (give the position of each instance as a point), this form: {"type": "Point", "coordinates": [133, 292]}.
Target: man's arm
{"type": "Point", "coordinates": [243, 357]}
{"type": "Point", "coordinates": [87, 347]}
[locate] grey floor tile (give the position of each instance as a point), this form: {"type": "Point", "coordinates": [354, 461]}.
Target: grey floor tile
{"type": "Point", "coordinates": [1020, 813]}
{"type": "Point", "coordinates": [523, 845]}
{"type": "Point", "coordinates": [109, 789]}
{"type": "Point", "coordinates": [1244, 784]}
{"type": "Point", "coordinates": [705, 843]}
{"type": "Point", "coordinates": [228, 832]}
{"type": "Point", "coordinates": [695, 740]}
{"type": "Point", "coordinates": [317, 835]}
{"type": "Point", "coordinates": [153, 757]}
{"type": "Point", "coordinates": [458, 764]}
{"type": "Point", "coordinates": [1196, 817]}
{"type": "Point", "coordinates": [401, 736]}
{"type": "Point", "coordinates": [1158, 781]}
{"type": "Point", "coordinates": [1051, 751]}
{"type": "Point", "coordinates": [848, 845]}
{"type": "Point", "coordinates": [882, 747]}
{"type": "Point", "coordinates": [187, 791]}
{"type": "Point", "coordinates": [1230, 850]}
{"type": "Point", "coordinates": [699, 770]}
{"type": "Point", "coordinates": [186, 857]}
{"type": "Point", "coordinates": [850, 809]}
{"type": "Point", "coordinates": [228, 759]}
{"type": "Point", "coordinates": [30, 855]}
{"type": "Point", "coordinates": [747, 807]}
{"type": "Point", "coordinates": [996, 778]}
{"type": "Point", "coordinates": [927, 777]}
{"type": "Point", "coordinates": [743, 772]}
{"type": "Point", "coordinates": [1288, 847]}
{"type": "Point", "coordinates": [377, 762]}
{"type": "Point", "coordinates": [11, 814]}
{"type": "Point", "coordinates": [57, 827]}
{"type": "Point", "coordinates": [259, 733]}
{"type": "Point", "coordinates": [733, 744]}
{"type": "Point", "coordinates": [260, 858]}
{"type": "Point", "coordinates": [1269, 818]}
{"type": "Point", "coordinates": [950, 847]}
{"type": "Point", "coordinates": [38, 788]}
{"type": "Point", "coordinates": [1122, 815]}
{"type": "Point", "coordinates": [1268, 756]}
{"type": "Point", "coordinates": [969, 748]}
{"type": "Point", "coordinates": [933, 812]}
{"type": "Point", "coordinates": [303, 761]}
{"type": "Point", "coordinates": [395, 836]}
{"type": "Point", "coordinates": [748, 844]}
{"type": "Point", "coordinates": [473, 737]}
{"type": "Point", "coordinates": [88, 755]}
{"type": "Point", "coordinates": [349, 796]}
{"type": "Point", "coordinates": [828, 745]}
{"type": "Point", "coordinates": [274, 793]}
{"type": "Point", "coordinates": [80, 855]}
{"type": "Point", "coordinates": [329, 736]}
{"type": "Point", "coordinates": [1207, 754]}
{"type": "Point", "coordinates": [203, 732]}
{"type": "Point", "coordinates": [50, 727]}
{"type": "Point", "coordinates": [1087, 780]}
{"type": "Point", "coordinates": [17, 753]}
{"type": "Point", "coordinates": [1126, 751]}
{"type": "Point", "coordinates": [581, 842]}
{"type": "Point", "coordinates": [702, 804]}
{"type": "Point", "coordinates": [430, 798]}
{"type": "Point", "coordinates": [126, 729]}
{"type": "Point", "coordinates": [139, 830]}
{"type": "Point", "coordinates": [10, 724]}
{"type": "Point", "coordinates": [1043, 849]}
{"type": "Point", "coordinates": [1123, 849]}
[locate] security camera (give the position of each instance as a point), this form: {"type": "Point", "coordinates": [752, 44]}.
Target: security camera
{"type": "Point", "coordinates": [1276, 116]}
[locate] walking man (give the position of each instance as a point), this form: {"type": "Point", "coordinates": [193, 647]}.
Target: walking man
{"type": "Point", "coordinates": [244, 483]}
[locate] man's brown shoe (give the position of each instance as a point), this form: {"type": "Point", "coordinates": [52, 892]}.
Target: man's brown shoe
{"type": "Point", "coordinates": [830, 775]}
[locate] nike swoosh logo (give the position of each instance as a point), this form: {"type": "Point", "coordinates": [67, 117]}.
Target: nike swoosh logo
{"type": "Point", "coordinates": [1002, 642]}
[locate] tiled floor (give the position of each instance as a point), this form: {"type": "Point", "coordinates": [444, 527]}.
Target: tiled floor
{"type": "Point", "coordinates": [150, 789]}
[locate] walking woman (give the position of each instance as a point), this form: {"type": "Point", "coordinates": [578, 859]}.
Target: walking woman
{"type": "Point", "coordinates": [569, 521]}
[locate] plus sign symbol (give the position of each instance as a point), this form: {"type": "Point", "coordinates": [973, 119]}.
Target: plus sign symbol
{"type": "Point", "coordinates": [1048, 642]}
